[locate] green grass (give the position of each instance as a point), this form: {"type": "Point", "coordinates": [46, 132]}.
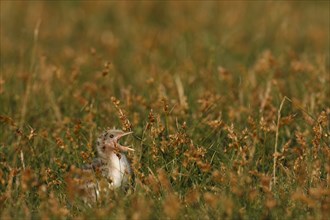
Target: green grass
{"type": "Point", "coordinates": [201, 86]}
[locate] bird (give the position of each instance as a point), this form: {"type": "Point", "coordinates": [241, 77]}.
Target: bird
{"type": "Point", "coordinates": [110, 169]}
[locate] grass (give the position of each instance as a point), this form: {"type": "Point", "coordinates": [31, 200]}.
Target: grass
{"type": "Point", "coordinates": [228, 101]}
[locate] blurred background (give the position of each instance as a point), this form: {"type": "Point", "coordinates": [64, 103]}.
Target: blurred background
{"type": "Point", "coordinates": [136, 45]}
{"type": "Point", "coordinates": [137, 36]}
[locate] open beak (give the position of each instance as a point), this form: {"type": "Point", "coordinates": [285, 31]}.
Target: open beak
{"type": "Point", "coordinates": [124, 148]}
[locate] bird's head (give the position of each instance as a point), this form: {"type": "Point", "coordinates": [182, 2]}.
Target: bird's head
{"type": "Point", "coordinates": [108, 143]}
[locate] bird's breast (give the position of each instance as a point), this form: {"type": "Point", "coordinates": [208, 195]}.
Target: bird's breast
{"type": "Point", "coordinates": [118, 170]}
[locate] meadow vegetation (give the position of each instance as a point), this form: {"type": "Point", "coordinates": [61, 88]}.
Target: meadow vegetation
{"type": "Point", "coordinates": [228, 101]}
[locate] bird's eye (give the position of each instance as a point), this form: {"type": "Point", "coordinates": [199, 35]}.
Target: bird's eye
{"type": "Point", "coordinates": [111, 135]}
{"type": "Point", "coordinates": [103, 148]}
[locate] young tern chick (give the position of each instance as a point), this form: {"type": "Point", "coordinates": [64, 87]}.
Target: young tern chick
{"type": "Point", "coordinates": [111, 163]}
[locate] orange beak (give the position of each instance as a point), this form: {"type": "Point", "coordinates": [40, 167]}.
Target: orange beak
{"type": "Point", "coordinates": [124, 148]}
